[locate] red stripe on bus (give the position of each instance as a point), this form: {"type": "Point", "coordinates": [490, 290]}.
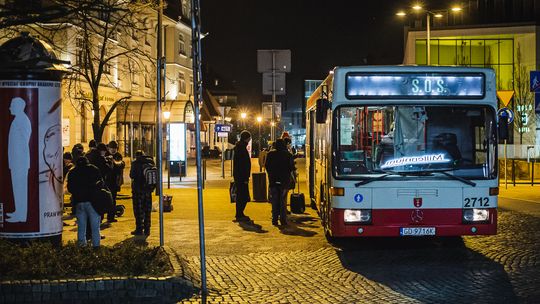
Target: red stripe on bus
{"type": "Point", "coordinates": [387, 222]}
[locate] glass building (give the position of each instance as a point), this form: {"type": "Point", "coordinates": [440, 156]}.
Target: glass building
{"type": "Point", "coordinates": [511, 50]}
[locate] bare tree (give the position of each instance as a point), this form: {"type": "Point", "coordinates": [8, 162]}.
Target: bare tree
{"type": "Point", "coordinates": [104, 38]}
{"type": "Point", "coordinates": [523, 98]}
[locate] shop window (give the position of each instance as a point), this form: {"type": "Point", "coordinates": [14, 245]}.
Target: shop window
{"type": "Point", "coordinates": [477, 53]}
{"type": "Point", "coordinates": [506, 48]}
{"type": "Point", "coordinates": [421, 55]}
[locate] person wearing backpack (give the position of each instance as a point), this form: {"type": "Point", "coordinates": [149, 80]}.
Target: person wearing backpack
{"type": "Point", "coordinates": [144, 178]}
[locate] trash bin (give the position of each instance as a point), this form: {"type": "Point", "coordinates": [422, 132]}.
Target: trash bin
{"type": "Point", "coordinates": [259, 186]}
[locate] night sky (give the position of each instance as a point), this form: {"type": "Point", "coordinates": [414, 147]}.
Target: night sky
{"type": "Point", "coordinates": [320, 34]}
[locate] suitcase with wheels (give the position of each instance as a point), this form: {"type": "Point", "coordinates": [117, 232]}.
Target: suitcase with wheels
{"type": "Point", "coordinates": [298, 201]}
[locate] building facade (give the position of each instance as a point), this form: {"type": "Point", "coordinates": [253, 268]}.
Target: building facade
{"type": "Point", "coordinates": [507, 40]}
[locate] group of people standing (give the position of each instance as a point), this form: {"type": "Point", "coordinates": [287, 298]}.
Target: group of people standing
{"type": "Point", "coordinates": [101, 167]}
{"type": "Point", "coordinates": [279, 164]}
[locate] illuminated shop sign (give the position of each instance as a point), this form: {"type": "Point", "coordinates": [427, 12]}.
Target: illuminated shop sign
{"type": "Point", "coordinates": [415, 85]}
{"type": "Point", "coordinates": [415, 160]}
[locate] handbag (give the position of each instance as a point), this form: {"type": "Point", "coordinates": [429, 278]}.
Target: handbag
{"type": "Point", "coordinates": [102, 200]}
{"type": "Point", "coordinates": [232, 192]}
{"type": "Point", "coordinates": [292, 181]}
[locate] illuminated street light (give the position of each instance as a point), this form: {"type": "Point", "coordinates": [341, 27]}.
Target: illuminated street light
{"type": "Point", "coordinates": [167, 115]}
{"type": "Point", "coordinates": [243, 116]}
{"type": "Point", "coordinates": [259, 120]}
{"type": "Point", "coordinates": [417, 8]}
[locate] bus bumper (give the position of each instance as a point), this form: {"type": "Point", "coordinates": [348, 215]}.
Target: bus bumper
{"type": "Point", "coordinates": [447, 222]}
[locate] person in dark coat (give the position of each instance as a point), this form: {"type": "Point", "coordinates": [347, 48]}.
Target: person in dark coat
{"type": "Point", "coordinates": [82, 181]}
{"type": "Point", "coordinates": [115, 177]}
{"type": "Point", "coordinates": [68, 163]}
{"type": "Point", "coordinates": [280, 166]}
{"type": "Point", "coordinates": [142, 198]}
{"type": "Point", "coordinates": [241, 174]}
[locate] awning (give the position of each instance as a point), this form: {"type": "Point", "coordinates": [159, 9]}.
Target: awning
{"type": "Point", "coordinates": [144, 112]}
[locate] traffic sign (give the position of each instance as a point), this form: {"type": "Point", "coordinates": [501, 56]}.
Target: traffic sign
{"type": "Point", "coordinates": [222, 128]}
{"type": "Point", "coordinates": [505, 96]}
{"type": "Point", "coordinates": [535, 81]}
{"type": "Point", "coordinates": [506, 112]}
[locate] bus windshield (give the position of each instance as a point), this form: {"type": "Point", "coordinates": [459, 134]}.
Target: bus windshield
{"type": "Point", "coordinates": [415, 140]}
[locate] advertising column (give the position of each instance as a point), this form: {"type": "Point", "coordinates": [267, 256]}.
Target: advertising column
{"type": "Point", "coordinates": [31, 192]}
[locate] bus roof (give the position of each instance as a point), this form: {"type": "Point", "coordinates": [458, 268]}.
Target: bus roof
{"type": "Point", "coordinates": [481, 90]}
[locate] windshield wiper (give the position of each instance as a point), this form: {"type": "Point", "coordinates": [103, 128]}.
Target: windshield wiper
{"type": "Point", "coordinates": [458, 178]}
{"type": "Point", "coordinates": [372, 179]}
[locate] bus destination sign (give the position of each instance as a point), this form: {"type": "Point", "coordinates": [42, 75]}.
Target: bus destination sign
{"type": "Point", "coordinates": [415, 85]}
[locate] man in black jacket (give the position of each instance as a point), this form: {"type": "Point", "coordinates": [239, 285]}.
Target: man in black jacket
{"type": "Point", "coordinates": [82, 181]}
{"type": "Point", "coordinates": [241, 173]}
{"type": "Point", "coordinates": [142, 197]}
{"type": "Point", "coordinates": [115, 177]}
{"type": "Point", "coordinates": [279, 165]}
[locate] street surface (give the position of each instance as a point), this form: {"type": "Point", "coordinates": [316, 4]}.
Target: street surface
{"type": "Point", "coordinates": [259, 263]}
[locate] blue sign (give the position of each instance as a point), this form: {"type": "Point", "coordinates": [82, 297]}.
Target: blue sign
{"type": "Point", "coordinates": [416, 85]}
{"type": "Point", "coordinates": [507, 113]}
{"type": "Point", "coordinates": [537, 102]}
{"type": "Point", "coordinates": [222, 128]}
{"type": "Point", "coordinates": [535, 81]}
{"type": "Point", "coordinates": [358, 198]}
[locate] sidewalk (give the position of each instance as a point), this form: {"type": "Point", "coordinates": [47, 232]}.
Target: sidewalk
{"type": "Point", "coordinates": [223, 236]}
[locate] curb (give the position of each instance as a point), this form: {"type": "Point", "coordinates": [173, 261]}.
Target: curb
{"type": "Point", "coordinates": [139, 289]}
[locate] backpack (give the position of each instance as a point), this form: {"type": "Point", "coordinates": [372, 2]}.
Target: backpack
{"type": "Point", "coordinates": [149, 176]}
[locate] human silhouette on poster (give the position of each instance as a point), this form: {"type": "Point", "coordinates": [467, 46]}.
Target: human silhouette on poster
{"type": "Point", "coordinates": [19, 159]}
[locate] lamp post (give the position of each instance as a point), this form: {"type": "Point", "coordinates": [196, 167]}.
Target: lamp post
{"type": "Point", "coordinates": [243, 116]}
{"type": "Point", "coordinates": [167, 116]}
{"type": "Point", "coordinates": [436, 14]}
{"type": "Point", "coordinates": [259, 120]}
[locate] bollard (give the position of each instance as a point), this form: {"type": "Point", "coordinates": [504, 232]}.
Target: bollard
{"type": "Point", "coordinates": [513, 172]}
{"type": "Point", "coordinates": [31, 182]}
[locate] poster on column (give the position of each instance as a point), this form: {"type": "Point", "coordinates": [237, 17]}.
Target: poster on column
{"type": "Point", "coordinates": [31, 192]}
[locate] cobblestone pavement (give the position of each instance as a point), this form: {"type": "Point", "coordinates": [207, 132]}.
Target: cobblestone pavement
{"type": "Point", "coordinates": [496, 269]}
{"type": "Point", "coordinates": [257, 263]}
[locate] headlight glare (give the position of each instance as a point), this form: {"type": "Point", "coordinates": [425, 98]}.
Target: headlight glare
{"type": "Point", "coordinates": [357, 216]}
{"type": "Point", "coordinates": [475, 215]}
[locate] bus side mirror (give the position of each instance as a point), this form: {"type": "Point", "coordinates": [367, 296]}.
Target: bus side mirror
{"type": "Point", "coordinates": [321, 110]}
{"type": "Point", "coordinates": [503, 128]}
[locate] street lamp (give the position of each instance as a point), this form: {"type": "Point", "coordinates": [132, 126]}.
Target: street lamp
{"type": "Point", "coordinates": [167, 115]}
{"type": "Point", "coordinates": [259, 120]}
{"type": "Point", "coordinates": [437, 14]}
{"type": "Point", "coordinates": [243, 116]}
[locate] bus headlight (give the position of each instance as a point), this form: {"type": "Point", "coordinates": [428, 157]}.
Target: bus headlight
{"type": "Point", "coordinates": [357, 216]}
{"type": "Point", "coordinates": [475, 215]}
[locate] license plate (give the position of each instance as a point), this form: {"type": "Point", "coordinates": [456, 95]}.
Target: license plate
{"type": "Point", "coordinates": [417, 231]}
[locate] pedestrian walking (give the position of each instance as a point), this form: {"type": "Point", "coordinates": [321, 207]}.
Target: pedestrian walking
{"type": "Point", "coordinates": [280, 167]}
{"type": "Point", "coordinates": [82, 182]}
{"type": "Point", "coordinates": [241, 174]}
{"type": "Point", "coordinates": [142, 185]}
{"type": "Point", "coordinates": [115, 179]}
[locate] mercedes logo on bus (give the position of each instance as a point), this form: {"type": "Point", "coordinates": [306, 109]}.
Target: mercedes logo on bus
{"type": "Point", "coordinates": [417, 215]}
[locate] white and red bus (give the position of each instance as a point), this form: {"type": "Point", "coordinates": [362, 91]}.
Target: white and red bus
{"type": "Point", "coordinates": [404, 151]}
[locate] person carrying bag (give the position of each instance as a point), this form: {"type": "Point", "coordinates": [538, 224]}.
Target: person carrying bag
{"type": "Point", "coordinates": [81, 183]}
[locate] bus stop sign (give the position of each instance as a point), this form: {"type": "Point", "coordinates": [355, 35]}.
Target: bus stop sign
{"type": "Point", "coordinates": [222, 128]}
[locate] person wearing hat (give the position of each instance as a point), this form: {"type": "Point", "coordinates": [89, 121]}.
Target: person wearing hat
{"type": "Point", "coordinates": [241, 174]}
{"type": "Point", "coordinates": [116, 177]}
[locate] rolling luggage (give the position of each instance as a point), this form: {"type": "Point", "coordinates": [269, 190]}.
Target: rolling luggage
{"type": "Point", "coordinates": [297, 201]}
